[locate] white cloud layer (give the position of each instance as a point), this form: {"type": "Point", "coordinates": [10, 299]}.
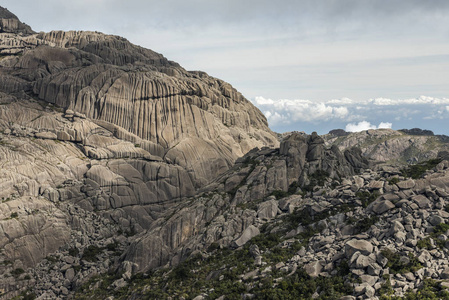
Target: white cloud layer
{"type": "Point", "coordinates": [354, 115]}
{"type": "Point", "coordinates": [290, 111]}
{"type": "Point", "coordinates": [413, 101]}
{"type": "Point", "coordinates": [364, 125]}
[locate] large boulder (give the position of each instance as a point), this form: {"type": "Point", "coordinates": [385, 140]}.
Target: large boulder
{"type": "Point", "coordinates": [354, 245]}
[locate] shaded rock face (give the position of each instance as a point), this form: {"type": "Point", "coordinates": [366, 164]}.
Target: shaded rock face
{"type": "Point", "coordinates": [299, 161]}
{"type": "Point", "coordinates": [305, 155]}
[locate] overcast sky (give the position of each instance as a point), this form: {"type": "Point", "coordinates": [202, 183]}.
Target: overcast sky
{"type": "Point", "coordinates": [308, 65]}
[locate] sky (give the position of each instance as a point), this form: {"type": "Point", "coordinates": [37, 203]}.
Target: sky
{"type": "Point", "coordinates": [309, 65]}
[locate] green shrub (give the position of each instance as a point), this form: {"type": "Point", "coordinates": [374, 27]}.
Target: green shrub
{"type": "Point", "coordinates": [17, 272]}
{"type": "Point", "coordinates": [440, 228]}
{"type": "Point", "coordinates": [212, 247]}
{"type": "Point", "coordinates": [279, 194]}
{"type": "Point", "coordinates": [396, 266]}
{"type": "Point", "coordinates": [293, 187]}
{"type": "Point", "coordinates": [429, 289]}
{"type": "Point", "coordinates": [90, 253]}
{"type": "Point", "coordinates": [437, 230]}
{"type": "Point", "coordinates": [424, 243]}
{"type": "Point", "coordinates": [417, 171]}
{"type": "Point", "coordinates": [51, 259]}
{"type": "Point", "coordinates": [27, 295]}
{"type": "Point", "coordinates": [367, 197]}
{"type": "Point", "coordinates": [112, 246]}
{"type": "Point", "coordinates": [318, 178]}
{"type": "Point", "coordinates": [14, 215]}
{"type": "Point", "coordinates": [74, 251]}
{"type": "Point", "coordinates": [365, 224]}
{"type": "Point", "coordinates": [393, 180]}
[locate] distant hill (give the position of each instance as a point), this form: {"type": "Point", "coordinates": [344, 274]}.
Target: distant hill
{"type": "Point", "coordinates": [386, 145]}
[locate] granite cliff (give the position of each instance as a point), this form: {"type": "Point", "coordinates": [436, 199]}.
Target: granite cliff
{"type": "Point", "coordinates": [95, 130]}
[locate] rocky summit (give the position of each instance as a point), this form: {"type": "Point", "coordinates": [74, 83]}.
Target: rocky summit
{"type": "Point", "coordinates": [125, 176]}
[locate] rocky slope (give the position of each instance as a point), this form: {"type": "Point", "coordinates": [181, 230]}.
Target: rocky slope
{"type": "Point", "coordinates": [387, 145]}
{"type": "Point", "coordinates": [376, 234]}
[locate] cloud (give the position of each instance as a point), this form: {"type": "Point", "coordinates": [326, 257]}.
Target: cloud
{"type": "Point", "coordinates": [385, 125]}
{"type": "Point", "coordinates": [364, 125]}
{"type": "Point", "coordinates": [286, 111]}
{"type": "Point", "coordinates": [413, 101]}
{"type": "Point", "coordinates": [361, 126]}
{"type": "Point", "coordinates": [354, 115]}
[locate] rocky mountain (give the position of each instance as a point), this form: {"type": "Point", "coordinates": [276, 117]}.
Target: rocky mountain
{"type": "Point", "coordinates": [386, 145]}
{"type": "Point", "coordinates": [99, 136]}
{"type": "Point", "coordinates": [124, 176]}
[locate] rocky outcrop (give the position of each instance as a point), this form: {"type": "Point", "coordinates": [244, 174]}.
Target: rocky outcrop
{"type": "Point", "coordinates": [387, 145]}
{"type": "Point", "coordinates": [115, 159]}
{"type": "Point", "coordinates": [301, 161]}
{"type": "Point", "coordinates": [10, 23]}
{"type": "Point", "coordinates": [201, 123]}
{"type": "Point", "coordinates": [370, 234]}
{"type": "Point", "coordinates": [102, 138]}
{"type": "Point", "coordinates": [260, 174]}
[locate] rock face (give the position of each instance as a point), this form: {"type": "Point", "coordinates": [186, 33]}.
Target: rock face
{"type": "Point", "coordinates": [387, 145]}
{"type": "Point", "coordinates": [10, 23]}
{"type": "Point", "coordinates": [100, 141]}
{"type": "Point", "coordinates": [201, 123]}
{"type": "Point", "coordinates": [301, 161]}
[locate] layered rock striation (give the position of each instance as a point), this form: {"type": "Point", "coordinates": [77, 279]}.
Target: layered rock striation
{"type": "Point", "coordinates": [201, 123]}
{"type": "Point", "coordinates": [99, 140]}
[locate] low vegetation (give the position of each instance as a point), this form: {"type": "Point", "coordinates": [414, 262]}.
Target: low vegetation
{"type": "Point", "coordinates": [418, 170]}
{"type": "Point", "coordinates": [401, 263]}
{"type": "Point", "coordinates": [429, 289]}
{"type": "Point", "coordinates": [433, 238]}
{"type": "Point", "coordinates": [217, 274]}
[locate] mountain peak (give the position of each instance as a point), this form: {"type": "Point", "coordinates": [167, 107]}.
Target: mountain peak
{"type": "Point", "coordinates": [6, 14]}
{"type": "Point", "coordinates": [9, 23]}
